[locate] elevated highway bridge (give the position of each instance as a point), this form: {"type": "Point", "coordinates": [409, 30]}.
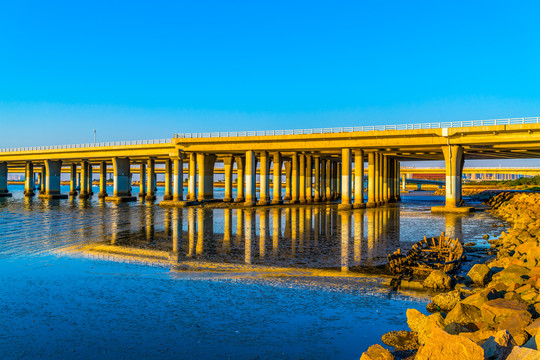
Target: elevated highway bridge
{"type": "Point", "coordinates": [317, 164]}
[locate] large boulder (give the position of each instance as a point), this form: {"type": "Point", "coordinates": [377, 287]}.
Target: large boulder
{"type": "Point", "coordinates": [481, 297]}
{"type": "Point", "coordinates": [401, 340]}
{"type": "Point", "coordinates": [416, 320]}
{"type": "Point", "coordinates": [480, 274]}
{"type": "Point", "coordinates": [464, 314]}
{"type": "Point", "coordinates": [533, 328]}
{"type": "Point", "coordinates": [498, 347]}
{"type": "Point", "coordinates": [513, 274]}
{"type": "Point", "coordinates": [377, 352]}
{"type": "Point", "coordinates": [439, 280]}
{"type": "Point", "coordinates": [498, 310]}
{"type": "Point", "coordinates": [533, 343]}
{"type": "Point", "coordinates": [423, 325]}
{"type": "Point", "coordinates": [446, 301]}
{"type": "Point", "coordinates": [521, 353]}
{"type": "Point", "coordinates": [443, 346]}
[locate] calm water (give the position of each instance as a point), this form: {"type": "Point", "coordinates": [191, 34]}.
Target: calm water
{"type": "Point", "coordinates": [88, 279]}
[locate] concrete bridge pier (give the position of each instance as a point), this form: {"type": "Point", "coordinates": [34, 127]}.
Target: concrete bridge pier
{"type": "Point", "coordinates": [150, 180]}
{"type": "Point", "coordinates": [42, 186]}
{"type": "Point", "coordinates": [264, 175]}
{"type": "Point", "coordinates": [240, 179]}
{"type": "Point", "coordinates": [178, 178]}
{"type": "Point", "coordinates": [384, 179]}
{"type": "Point", "coordinates": [346, 180]}
{"type": "Point", "coordinates": [52, 180]}
{"type": "Point", "coordinates": [372, 202]}
{"type": "Point", "coordinates": [359, 179]}
{"type": "Point", "coordinates": [317, 178]}
{"type": "Point", "coordinates": [323, 180]}
{"type": "Point", "coordinates": [168, 180]}
{"type": "Point", "coordinates": [205, 164]}
{"type": "Point", "coordinates": [454, 160]}
{"type": "Point", "coordinates": [329, 180]}
{"type": "Point", "coordinates": [73, 180]}
{"type": "Point", "coordinates": [192, 179]}
{"type": "Point", "coordinates": [338, 180]}
{"type": "Point", "coordinates": [90, 182]}
{"type": "Point", "coordinates": [377, 179]}
{"type": "Point", "coordinates": [295, 181]}
{"type": "Point", "coordinates": [102, 180]}
{"type": "Point", "coordinates": [309, 179]}
{"type": "Point", "coordinates": [251, 178]}
{"type": "Point", "coordinates": [122, 181]}
{"type": "Point", "coordinates": [84, 193]}
{"type": "Point", "coordinates": [390, 189]}
{"type": "Point", "coordinates": [142, 180]}
{"type": "Point", "coordinates": [228, 162]}
{"type": "Point", "coordinates": [302, 179]}
{"type": "Point", "coordinates": [29, 181]}
{"type": "Point", "coordinates": [3, 180]}
{"type": "Point", "coordinates": [288, 181]}
{"type": "Point", "coordinates": [276, 178]}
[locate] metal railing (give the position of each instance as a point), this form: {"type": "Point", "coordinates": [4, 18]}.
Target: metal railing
{"type": "Point", "coordinates": [90, 145]}
{"type": "Point", "coordinates": [337, 130]}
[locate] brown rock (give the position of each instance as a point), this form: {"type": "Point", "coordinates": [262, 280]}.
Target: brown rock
{"type": "Point", "coordinates": [533, 343]}
{"type": "Point", "coordinates": [456, 328]}
{"type": "Point", "coordinates": [533, 328]}
{"type": "Point", "coordinates": [377, 352]}
{"type": "Point", "coordinates": [481, 297]}
{"type": "Point", "coordinates": [464, 314]}
{"type": "Point", "coordinates": [416, 320]}
{"type": "Point", "coordinates": [521, 353]}
{"type": "Point", "coordinates": [438, 280]}
{"type": "Point", "coordinates": [479, 274]}
{"type": "Point", "coordinates": [479, 336]}
{"type": "Point", "coordinates": [401, 340]}
{"type": "Point", "coordinates": [496, 311]}
{"type": "Point", "coordinates": [444, 346]}
{"type": "Point", "coordinates": [513, 274]}
{"type": "Point", "coordinates": [446, 301]}
{"type": "Point", "coordinates": [498, 347]}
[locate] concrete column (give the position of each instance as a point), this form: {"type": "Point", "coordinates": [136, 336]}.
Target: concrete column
{"type": "Point", "coordinates": [454, 159]}
{"type": "Point", "coordinates": [384, 179]}
{"type": "Point", "coordinates": [288, 181]}
{"type": "Point", "coordinates": [150, 180]}
{"type": "Point", "coordinates": [302, 178]}
{"type": "Point", "coordinates": [228, 162]}
{"type": "Point", "coordinates": [276, 179]}
{"type": "Point", "coordinates": [346, 179]}
{"type": "Point", "coordinates": [52, 180]}
{"type": "Point", "coordinates": [42, 184]}
{"type": "Point", "coordinates": [328, 180]}
{"type": "Point", "coordinates": [142, 180]}
{"type": "Point", "coordinates": [178, 178]}
{"type": "Point", "coordinates": [391, 180]}
{"type": "Point", "coordinates": [372, 202]}
{"type": "Point", "coordinates": [338, 179]}
{"type": "Point", "coordinates": [84, 194]}
{"type": "Point", "coordinates": [358, 179]}
{"type": "Point", "coordinates": [377, 179]}
{"type": "Point", "coordinates": [3, 180]}
{"type": "Point", "coordinates": [168, 180]}
{"type": "Point", "coordinates": [205, 164]}
{"type": "Point", "coordinates": [251, 173]}
{"type": "Point", "coordinates": [317, 176]}
{"type": "Point", "coordinates": [192, 180]}
{"type": "Point", "coordinates": [309, 179]}
{"type": "Point", "coordinates": [323, 180]}
{"type": "Point", "coordinates": [240, 179]}
{"type": "Point", "coordinates": [73, 180]}
{"type": "Point", "coordinates": [90, 183]}
{"type": "Point", "coordinates": [334, 180]}
{"type": "Point", "coordinates": [264, 177]}
{"type": "Point", "coordinates": [102, 180]}
{"type": "Point", "coordinates": [398, 173]}
{"type": "Point", "coordinates": [295, 179]}
{"type": "Point", "coordinates": [122, 180]}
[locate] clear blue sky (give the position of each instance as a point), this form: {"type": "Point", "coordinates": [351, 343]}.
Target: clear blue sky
{"type": "Point", "coordinates": [138, 70]}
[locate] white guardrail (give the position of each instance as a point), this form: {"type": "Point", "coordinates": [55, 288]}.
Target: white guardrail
{"type": "Point", "coordinates": [336, 130]}
{"type": "Point", "coordinates": [439, 125]}
{"type": "Point", "coordinates": [90, 145]}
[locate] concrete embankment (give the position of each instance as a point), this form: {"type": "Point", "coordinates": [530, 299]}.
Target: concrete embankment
{"type": "Point", "coordinates": [495, 312]}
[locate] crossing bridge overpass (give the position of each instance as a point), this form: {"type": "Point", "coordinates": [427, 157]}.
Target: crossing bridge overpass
{"type": "Point", "coordinates": [317, 164]}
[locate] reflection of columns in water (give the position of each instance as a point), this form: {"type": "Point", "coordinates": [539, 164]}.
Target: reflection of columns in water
{"type": "Point", "coordinates": [316, 222]}
{"type": "Point", "coordinates": [276, 230]}
{"type": "Point", "coordinates": [264, 231]}
{"type": "Point", "coordinates": [176, 229]}
{"type": "Point", "coordinates": [307, 237]}
{"type": "Point", "coordinates": [358, 235]}
{"type": "Point", "coordinates": [287, 232]}
{"type": "Point", "coordinates": [301, 228]}
{"type": "Point", "coordinates": [371, 235]}
{"type": "Point", "coordinates": [453, 226]}
{"type": "Point", "coordinates": [328, 224]}
{"type": "Point", "coordinates": [149, 224]}
{"type": "Point", "coordinates": [191, 231]}
{"type": "Point", "coordinates": [239, 227]}
{"type": "Point", "coordinates": [294, 229]}
{"type": "Point", "coordinates": [345, 239]}
{"type": "Point", "coordinates": [114, 216]}
{"type": "Point", "coordinates": [205, 228]}
{"type": "Point", "coordinates": [227, 229]}
{"type": "Point", "coordinates": [167, 222]}
{"type": "Point", "coordinates": [249, 234]}
{"type": "Point", "coordinates": [322, 222]}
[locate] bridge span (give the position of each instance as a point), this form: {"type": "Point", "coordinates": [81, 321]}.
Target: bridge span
{"type": "Point", "coordinates": [316, 164]}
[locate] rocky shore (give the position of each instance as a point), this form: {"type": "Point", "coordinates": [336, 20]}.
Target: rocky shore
{"type": "Point", "coordinates": [495, 312]}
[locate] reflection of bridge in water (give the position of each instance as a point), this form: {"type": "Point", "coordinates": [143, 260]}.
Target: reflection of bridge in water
{"type": "Point", "coordinates": [300, 237]}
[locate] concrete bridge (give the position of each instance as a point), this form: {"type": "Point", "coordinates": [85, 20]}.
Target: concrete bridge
{"type": "Point", "coordinates": [317, 164]}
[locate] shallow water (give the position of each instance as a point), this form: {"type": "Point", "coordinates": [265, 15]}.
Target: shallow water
{"type": "Point", "coordinates": [88, 279]}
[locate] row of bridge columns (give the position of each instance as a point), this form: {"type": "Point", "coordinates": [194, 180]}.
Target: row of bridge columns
{"type": "Point", "coordinates": [308, 178]}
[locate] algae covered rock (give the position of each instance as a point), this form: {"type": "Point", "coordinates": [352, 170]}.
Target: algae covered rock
{"type": "Point", "coordinates": [401, 340]}
{"type": "Point", "coordinates": [439, 280]}
{"type": "Point", "coordinates": [447, 301]}
{"type": "Point", "coordinates": [377, 352]}
{"type": "Point", "coordinates": [464, 314]}
{"type": "Point", "coordinates": [443, 346]}
{"type": "Point", "coordinates": [513, 274]}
